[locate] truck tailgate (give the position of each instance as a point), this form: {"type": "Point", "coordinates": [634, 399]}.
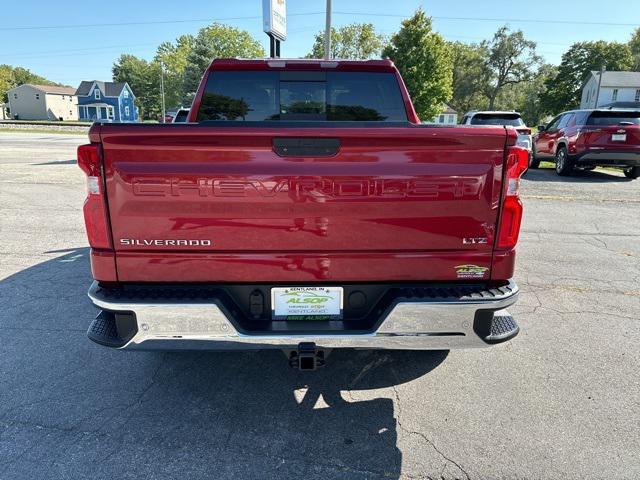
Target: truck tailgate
{"type": "Point", "coordinates": [219, 204]}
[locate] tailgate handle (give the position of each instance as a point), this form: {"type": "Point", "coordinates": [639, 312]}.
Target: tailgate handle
{"type": "Point", "coordinates": [306, 147]}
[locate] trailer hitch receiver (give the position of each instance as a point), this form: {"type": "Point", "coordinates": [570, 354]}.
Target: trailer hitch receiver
{"type": "Point", "coordinates": [307, 357]}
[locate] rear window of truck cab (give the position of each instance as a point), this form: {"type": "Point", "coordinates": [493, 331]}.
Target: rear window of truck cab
{"type": "Point", "coordinates": [302, 95]}
{"type": "Point", "coordinates": [614, 118]}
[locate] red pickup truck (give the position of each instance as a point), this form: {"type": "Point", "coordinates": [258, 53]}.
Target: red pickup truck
{"type": "Point", "coordinates": [303, 207]}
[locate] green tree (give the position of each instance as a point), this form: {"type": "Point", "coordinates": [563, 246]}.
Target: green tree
{"type": "Point", "coordinates": [634, 45]}
{"type": "Point", "coordinates": [144, 79]}
{"type": "Point", "coordinates": [425, 62]}
{"type": "Point", "coordinates": [11, 77]}
{"type": "Point", "coordinates": [524, 97]}
{"type": "Point", "coordinates": [531, 106]}
{"type": "Point", "coordinates": [173, 58]}
{"type": "Point", "coordinates": [564, 89]}
{"type": "Point", "coordinates": [510, 61]}
{"type": "Point", "coordinates": [174, 55]}
{"type": "Point", "coordinates": [357, 41]}
{"type": "Point", "coordinates": [216, 41]}
{"type": "Point", "coordinates": [6, 81]}
{"type": "Point", "coordinates": [468, 75]}
{"type": "Point", "coordinates": [23, 75]}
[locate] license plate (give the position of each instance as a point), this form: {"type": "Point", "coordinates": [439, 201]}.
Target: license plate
{"type": "Point", "coordinates": [306, 303]}
{"type": "Point", "coordinates": [619, 137]}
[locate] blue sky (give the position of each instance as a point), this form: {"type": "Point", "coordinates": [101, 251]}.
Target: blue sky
{"type": "Point", "coordinates": [74, 53]}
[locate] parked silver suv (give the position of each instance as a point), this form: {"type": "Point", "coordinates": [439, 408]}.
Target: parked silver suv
{"type": "Point", "coordinates": [492, 117]}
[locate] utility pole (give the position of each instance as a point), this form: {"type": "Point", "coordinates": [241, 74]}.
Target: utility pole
{"type": "Point", "coordinates": [274, 46]}
{"type": "Point", "coordinates": [327, 33]}
{"type": "Point", "coordinates": [602, 69]}
{"type": "Point", "coordinates": [162, 89]}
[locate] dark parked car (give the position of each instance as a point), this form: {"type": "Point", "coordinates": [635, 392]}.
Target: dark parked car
{"type": "Point", "coordinates": [181, 115]}
{"type": "Point", "coordinates": [589, 138]}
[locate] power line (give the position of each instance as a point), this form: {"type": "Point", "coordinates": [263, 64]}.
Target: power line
{"type": "Point", "coordinates": [467, 37]}
{"type": "Point", "coordinates": [152, 22]}
{"type": "Point", "coordinates": [123, 49]}
{"type": "Point", "coordinates": [66, 50]}
{"type": "Point", "coordinates": [139, 51]}
{"type": "Point", "coordinates": [91, 50]}
{"type": "Point", "coordinates": [93, 25]}
{"type": "Point", "coordinates": [80, 53]}
{"type": "Point", "coordinates": [131, 50]}
{"type": "Point", "coordinates": [480, 19]}
{"type": "Point", "coordinates": [358, 14]}
{"type": "Point", "coordinates": [106, 48]}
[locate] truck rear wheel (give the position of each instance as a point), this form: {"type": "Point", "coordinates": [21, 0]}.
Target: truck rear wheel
{"type": "Point", "coordinates": [632, 172]}
{"type": "Point", "coordinates": [564, 166]}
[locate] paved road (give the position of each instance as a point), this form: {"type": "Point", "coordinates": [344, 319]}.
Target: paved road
{"type": "Point", "coordinates": [560, 401]}
{"type": "Point", "coordinates": [22, 147]}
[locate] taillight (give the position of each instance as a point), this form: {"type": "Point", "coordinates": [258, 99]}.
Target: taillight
{"type": "Point", "coordinates": [95, 212]}
{"type": "Point", "coordinates": [511, 216]}
{"type": "Point", "coordinates": [524, 131]}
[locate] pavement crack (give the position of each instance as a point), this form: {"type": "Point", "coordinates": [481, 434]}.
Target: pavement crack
{"type": "Point", "coordinates": [126, 411]}
{"type": "Point", "coordinates": [421, 435]}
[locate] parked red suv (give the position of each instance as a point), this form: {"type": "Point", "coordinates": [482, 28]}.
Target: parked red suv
{"type": "Point", "coordinates": [589, 138]}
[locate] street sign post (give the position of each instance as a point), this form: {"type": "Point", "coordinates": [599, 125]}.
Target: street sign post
{"type": "Point", "coordinates": [274, 24]}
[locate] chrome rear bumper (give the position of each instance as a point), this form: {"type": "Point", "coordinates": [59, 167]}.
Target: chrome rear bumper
{"type": "Point", "coordinates": [433, 324]}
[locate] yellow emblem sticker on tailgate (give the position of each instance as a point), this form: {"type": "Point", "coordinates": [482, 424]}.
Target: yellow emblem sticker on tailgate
{"type": "Point", "coordinates": [471, 271]}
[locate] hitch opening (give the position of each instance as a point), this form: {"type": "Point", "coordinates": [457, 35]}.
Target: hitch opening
{"type": "Point", "coordinates": [307, 357]}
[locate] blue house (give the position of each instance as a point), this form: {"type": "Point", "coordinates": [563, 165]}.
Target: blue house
{"type": "Point", "coordinates": [106, 102]}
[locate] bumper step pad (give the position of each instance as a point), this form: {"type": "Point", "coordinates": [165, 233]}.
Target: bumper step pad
{"type": "Point", "coordinates": [103, 330]}
{"type": "Point", "coordinates": [503, 327]}
{"type": "Point", "coordinates": [112, 329]}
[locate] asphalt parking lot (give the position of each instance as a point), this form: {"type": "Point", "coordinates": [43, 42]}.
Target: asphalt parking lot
{"type": "Point", "coordinates": [562, 400]}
